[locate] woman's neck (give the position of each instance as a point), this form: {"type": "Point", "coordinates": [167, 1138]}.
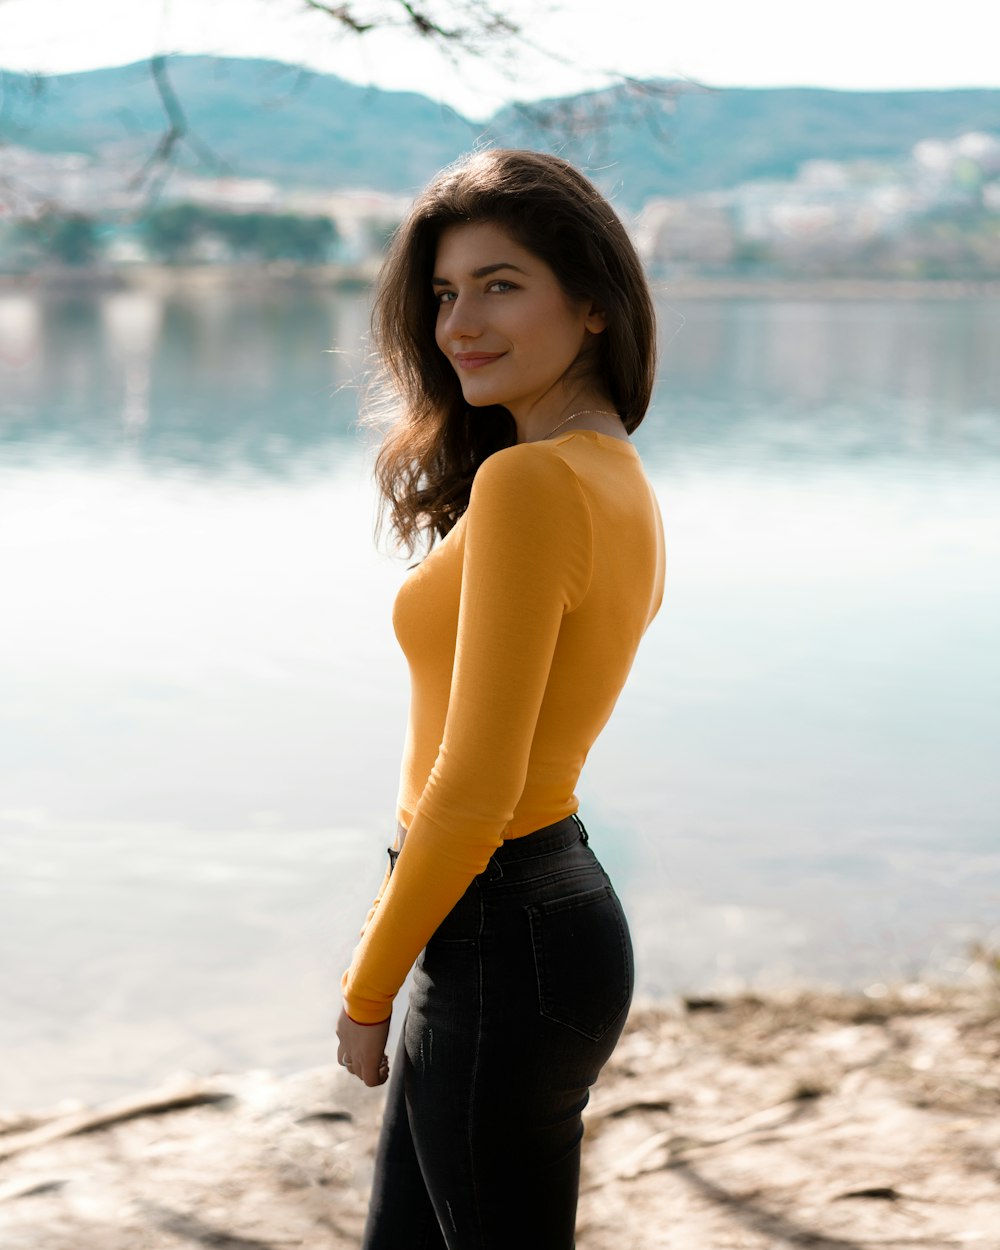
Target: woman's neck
{"type": "Point", "coordinates": [587, 412]}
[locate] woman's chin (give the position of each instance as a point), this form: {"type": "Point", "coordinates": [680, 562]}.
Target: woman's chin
{"type": "Point", "coordinates": [480, 397]}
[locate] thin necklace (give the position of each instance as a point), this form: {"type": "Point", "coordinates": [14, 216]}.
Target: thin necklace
{"type": "Point", "coordinates": [584, 412]}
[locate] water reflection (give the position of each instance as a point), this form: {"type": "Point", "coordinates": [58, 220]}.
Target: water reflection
{"type": "Point", "coordinates": [132, 322]}
{"type": "Point", "coordinates": [775, 385]}
{"type": "Point", "coordinates": [220, 380]}
{"type": "Point", "coordinates": [802, 354]}
{"type": "Point", "coordinates": [202, 703]}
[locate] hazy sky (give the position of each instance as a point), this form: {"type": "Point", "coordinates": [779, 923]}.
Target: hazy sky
{"type": "Point", "coordinates": [850, 45]}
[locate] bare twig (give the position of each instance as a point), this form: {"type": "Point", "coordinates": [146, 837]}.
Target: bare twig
{"type": "Point", "coordinates": [459, 30]}
{"type": "Point", "coordinates": [177, 129]}
{"type": "Point", "coordinates": [174, 1098]}
{"type": "Point", "coordinates": [343, 14]}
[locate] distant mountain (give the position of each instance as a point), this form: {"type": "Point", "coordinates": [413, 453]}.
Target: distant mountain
{"type": "Point", "coordinates": [709, 139]}
{"type": "Point", "coordinates": [267, 119]}
{"type": "Point", "coordinates": [261, 118]}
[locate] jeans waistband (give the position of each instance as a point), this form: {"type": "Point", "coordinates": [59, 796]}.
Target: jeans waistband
{"type": "Point", "coordinates": [564, 833]}
{"type": "Point", "coordinates": [556, 837]}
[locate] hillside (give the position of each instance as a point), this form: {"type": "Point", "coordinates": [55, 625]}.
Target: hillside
{"type": "Point", "coordinates": [260, 118]}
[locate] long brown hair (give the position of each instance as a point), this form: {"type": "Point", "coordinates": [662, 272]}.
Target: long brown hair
{"type": "Point", "coordinates": [430, 454]}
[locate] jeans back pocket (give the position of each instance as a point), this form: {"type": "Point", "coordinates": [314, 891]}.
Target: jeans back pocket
{"type": "Point", "coordinates": [583, 960]}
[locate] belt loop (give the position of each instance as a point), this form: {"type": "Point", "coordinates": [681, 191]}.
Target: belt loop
{"type": "Point", "coordinates": [584, 836]}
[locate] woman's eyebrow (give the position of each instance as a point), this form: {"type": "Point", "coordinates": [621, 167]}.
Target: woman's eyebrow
{"type": "Point", "coordinates": [483, 272]}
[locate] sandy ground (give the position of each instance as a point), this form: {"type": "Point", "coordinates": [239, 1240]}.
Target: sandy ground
{"type": "Point", "coordinates": [820, 1119]}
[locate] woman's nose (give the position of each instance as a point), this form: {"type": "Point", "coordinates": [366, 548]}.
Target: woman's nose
{"type": "Point", "coordinates": [463, 319]}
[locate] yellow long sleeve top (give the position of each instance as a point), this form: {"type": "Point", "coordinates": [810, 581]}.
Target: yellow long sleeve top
{"type": "Point", "coordinates": [519, 629]}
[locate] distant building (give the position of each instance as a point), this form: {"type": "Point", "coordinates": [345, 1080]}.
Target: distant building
{"type": "Point", "coordinates": [694, 232]}
{"type": "Point", "coordinates": [955, 171]}
{"type": "Point", "coordinates": [244, 195]}
{"type": "Point", "coordinates": [73, 181]}
{"type": "Point", "coordinates": [365, 220]}
{"type": "Point", "coordinates": [829, 212]}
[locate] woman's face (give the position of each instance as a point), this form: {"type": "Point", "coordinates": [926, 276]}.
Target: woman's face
{"type": "Point", "coordinates": [504, 322]}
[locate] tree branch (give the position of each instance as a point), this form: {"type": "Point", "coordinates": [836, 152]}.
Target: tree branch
{"type": "Point", "coordinates": [342, 14]}
{"type": "Point", "coordinates": [177, 130]}
{"type": "Point", "coordinates": [474, 28]}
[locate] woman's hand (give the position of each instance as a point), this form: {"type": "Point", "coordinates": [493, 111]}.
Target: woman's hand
{"type": "Point", "coordinates": [362, 1049]}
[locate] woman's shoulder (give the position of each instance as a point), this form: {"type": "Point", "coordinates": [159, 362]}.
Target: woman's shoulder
{"type": "Point", "coordinates": [535, 462]}
{"type": "Point", "coordinates": [524, 473]}
{"type": "Point", "coordinates": [527, 512]}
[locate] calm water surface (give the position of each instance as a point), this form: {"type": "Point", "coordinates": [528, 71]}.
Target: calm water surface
{"type": "Point", "coordinates": [202, 703]}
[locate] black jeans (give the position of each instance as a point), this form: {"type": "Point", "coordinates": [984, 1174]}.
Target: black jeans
{"type": "Point", "coordinates": [519, 999]}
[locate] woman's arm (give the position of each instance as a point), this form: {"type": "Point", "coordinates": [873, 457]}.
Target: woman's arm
{"type": "Point", "coordinates": [528, 555]}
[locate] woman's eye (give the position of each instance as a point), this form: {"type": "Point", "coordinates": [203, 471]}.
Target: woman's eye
{"type": "Point", "coordinates": [498, 286]}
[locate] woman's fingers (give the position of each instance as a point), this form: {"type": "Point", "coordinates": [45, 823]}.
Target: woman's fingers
{"type": "Point", "coordinates": [373, 1076]}
{"type": "Point", "coordinates": [366, 1070]}
{"type": "Point", "coordinates": [362, 1049]}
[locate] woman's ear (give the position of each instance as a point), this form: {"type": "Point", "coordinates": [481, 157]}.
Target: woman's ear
{"type": "Point", "coordinates": [596, 320]}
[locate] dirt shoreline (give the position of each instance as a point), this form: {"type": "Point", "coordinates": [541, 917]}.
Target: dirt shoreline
{"type": "Point", "coordinates": [835, 1120]}
{"type": "Point", "coordinates": [165, 279]}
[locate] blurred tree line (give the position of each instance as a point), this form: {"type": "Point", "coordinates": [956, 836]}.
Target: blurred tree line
{"type": "Point", "coordinates": [179, 234]}
{"type": "Point", "coordinates": [956, 242]}
{"type": "Point", "coordinates": [69, 238]}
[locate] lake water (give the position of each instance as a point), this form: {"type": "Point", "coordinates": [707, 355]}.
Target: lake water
{"type": "Point", "coordinates": [202, 703]}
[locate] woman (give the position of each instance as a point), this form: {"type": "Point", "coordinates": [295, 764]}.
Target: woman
{"type": "Point", "coordinates": [517, 331]}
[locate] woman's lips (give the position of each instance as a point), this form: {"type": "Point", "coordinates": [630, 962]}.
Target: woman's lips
{"type": "Point", "coordinates": [476, 360]}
